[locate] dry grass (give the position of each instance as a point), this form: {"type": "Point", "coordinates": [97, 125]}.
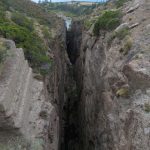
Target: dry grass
{"type": "Point", "coordinates": [127, 45]}
{"type": "Point", "coordinates": [86, 3]}
{"type": "Point", "coordinates": [123, 92]}
{"type": "Point", "coordinates": [147, 107]}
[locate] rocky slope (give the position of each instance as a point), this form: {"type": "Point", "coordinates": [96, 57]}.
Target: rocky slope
{"type": "Point", "coordinates": [115, 101]}
{"type": "Point", "coordinates": [25, 111]}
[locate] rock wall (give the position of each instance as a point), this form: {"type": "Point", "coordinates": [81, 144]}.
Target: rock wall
{"type": "Point", "coordinates": [115, 101]}
{"type": "Point", "coordinates": [25, 110]}
{"type": "Point", "coordinates": [59, 80]}
{"type": "Point", "coordinates": [32, 111]}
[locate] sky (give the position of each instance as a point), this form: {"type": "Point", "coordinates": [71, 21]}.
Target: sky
{"type": "Point", "coordinates": [69, 0]}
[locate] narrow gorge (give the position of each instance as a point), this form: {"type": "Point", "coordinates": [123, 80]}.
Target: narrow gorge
{"type": "Point", "coordinates": [96, 95]}
{"type": "Point", "coordinates": [112, 100]}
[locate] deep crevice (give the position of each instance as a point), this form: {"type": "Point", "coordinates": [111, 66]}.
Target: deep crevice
{"type": "Point", "coordinates": [71, 108]}
{"type": "Point", "coordinates": [74, 37]}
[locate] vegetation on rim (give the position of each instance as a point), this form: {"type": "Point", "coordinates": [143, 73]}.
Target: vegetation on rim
{"type": "Point", "coordinates": [108, 21]}
{"type": "Point", "coordinates": [119, 3]}
{"type": "Point", "coordinates": [19, 26]}
{"type": "Point", "coordinates": [3, 51]}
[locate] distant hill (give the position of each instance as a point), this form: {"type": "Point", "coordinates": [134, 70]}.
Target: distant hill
{"type": "Point", "coordinates": [71, 8]}
{"type": "Point", "coordinates": [72, 1]}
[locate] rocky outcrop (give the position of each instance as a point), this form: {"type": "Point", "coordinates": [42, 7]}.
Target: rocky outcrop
{"type": "Point", "coordinates": [25, 111]}
{"type": "Point", "coordinates": [115, 101]}
{"type": "Point", "coordinates": [122, 27]}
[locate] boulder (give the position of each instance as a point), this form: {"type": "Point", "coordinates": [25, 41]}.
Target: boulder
{"type": "Point", "coordinates": [134, 25]}
{"type": "Point", "coordinates": [121, 27]}
{"type": "Point", "coordinates": [131, 9]}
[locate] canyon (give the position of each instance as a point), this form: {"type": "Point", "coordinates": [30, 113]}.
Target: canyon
{"type": "Point", "coordinates": [96, 95]}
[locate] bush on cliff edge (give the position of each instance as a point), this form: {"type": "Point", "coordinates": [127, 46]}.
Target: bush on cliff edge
{"type": "Point", "coordinates": [108, 21]}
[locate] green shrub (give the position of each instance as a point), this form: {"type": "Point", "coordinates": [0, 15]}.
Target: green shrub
{"type": "Point", "coordinates": [110, 38]}
{"type": "Point", "coordinates": [122, 33]}
{"type": "Point", "coordinates": [147, 107]}
{"type": "Point", "coordinates": [2, 16]}
{"type": "Point", "coordinates": [16, 33]}
{"type": "Point", "coordinates": [22, 20]}
{"type": "Point", "coordinates": [96, 29]}
{"type": "Point", "coordinates": [108, 21]}
{"type": "Point", "coordinates": [47, 34]}
{"type": "Point", "coordinates": [112, 24]}
{"type": "Point", "coordinates": [3, 52]}
{"type": "Point", "coordinates": [119, 3]}
{"type": "Point", "coordinates": [34, 50]}
{"type": "Point", "coordinates": [21, 30]}
{"type": "Point", "coordinates": [88, 23]}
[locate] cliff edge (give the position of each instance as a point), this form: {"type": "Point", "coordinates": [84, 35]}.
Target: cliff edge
{"type": "Point", "coordinates": [25, 113]}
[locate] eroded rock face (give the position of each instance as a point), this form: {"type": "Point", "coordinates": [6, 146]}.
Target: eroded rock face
{"type": "Point", "coordinates": [32, 111]}
{"type": "Point", "coordinates": [59, 82]}
{"type": "Point", "coordinates": [108, 100]}
{"type": "Point", "coordinates": [115, 100]}
{"type": "Point", "coordinates": [25, 110]}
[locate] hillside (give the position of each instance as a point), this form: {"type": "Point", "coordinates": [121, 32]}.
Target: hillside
{"type": "Point", "coordinates": [31, 28]}
{"type": "Point", "coordinates": [74, 9]}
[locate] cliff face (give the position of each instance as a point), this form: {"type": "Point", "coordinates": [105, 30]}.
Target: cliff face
{"type": "Point", "coordinates": [58, 80]}
{"type": "Point", "coordinates": [32, 111]}
{"type": "Point", "coordinates": [25, 112]}
{"type": "Point", "coordinates": [97, 100]}
{"type": "Point", "coordinates": [115, 101]}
